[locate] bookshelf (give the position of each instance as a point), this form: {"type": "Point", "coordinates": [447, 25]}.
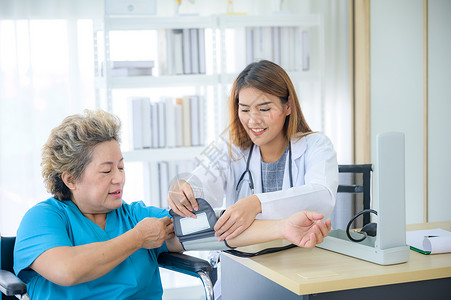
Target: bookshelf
{"type": "Point", "coordinates": [223, 64]}
{"type": "Point", "coordinates": [311, 76]}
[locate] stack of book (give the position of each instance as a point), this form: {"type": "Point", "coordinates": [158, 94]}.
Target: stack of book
{"type": "Point", "coordinates": [288, 47]}
{"type": "Point", "coordinates": [182, 51]}
{"type": "Point", "coordinates": [170, 122]}
{"type": "Point", "coordinates": [168, 172]}
{"type": "Point", "coordinates": [129, 68]}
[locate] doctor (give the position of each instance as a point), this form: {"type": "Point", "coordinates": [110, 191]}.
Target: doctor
{"type": "Point", "coordinates": [270, 165]}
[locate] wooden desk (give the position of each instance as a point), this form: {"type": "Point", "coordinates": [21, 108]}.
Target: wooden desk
{"type": "Point", "coordinates": [298, 273]}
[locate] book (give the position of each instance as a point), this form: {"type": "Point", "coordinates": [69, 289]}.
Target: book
{"type": "Point", "coordinates": [186, 121]}
{"type": "Point", "coordinates": [136, 123]}
{"type": "Point", "coordinates": [194, 117]}
{"type": "Point", "coordinates": [258, 42]}
{"type": "Point", "coordinates": [161, 124]}
{"type": "Point", "coordinates": [284, 49]}
{"type": "Point", "coordinates": [170, 121]}
{"type": "Point", "coordinates": [249, 45]}
{"type": "Point", "coordinates": [162, 62]}
{"type": "Point", "coordinates": [178, 67]}
{"type": "Point", "coordinates": [266, 43]}
{"type": "Point", "coordinates": [305, 50]}
{"type": "Point", "coordinates": [145, 64]}
{"type": "Point", "coordinates": [202, 58]}
{"type": "Point", "coordinates": [146, 123]}
{"type": "Point", "coordinates": [154, 124]}
{"type": "Point", "coordinates": [194, 50]}
{"type": "Point", "coordinates": [152, 182]}
{"type": "Point", "coordinates": [429, 241]}
{"type": "Point", "coordinates": [236, 53]}
{"type": "Point", "coordinates": [276, 45]}
{"type": "Point", "coordinates": [172, 170]}
{"type": "Point", "coordinates": [178, 112]}
{"type": "Point", "coordinates": [291, 50]}
{"type": "Point", "coordinates": [202, 118]}
{"type": "Point", "coordinates": [298, 56]}
{"type": "Point", "coordinates": [128, 68]}
{"type": "Point", "coordinates": [171, 53]}
{"type": "Point", "coordinates": [186, 42]}
{"type": "Point", "coordinates": [128, 72]}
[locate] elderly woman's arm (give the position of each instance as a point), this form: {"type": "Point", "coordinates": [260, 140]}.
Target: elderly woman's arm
{"type": "Point", "coordinates": [68, 266]}
{"type": "Point", "coordinates": [304, 229]}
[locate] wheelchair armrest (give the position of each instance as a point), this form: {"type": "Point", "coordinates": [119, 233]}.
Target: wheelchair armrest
{"type": "Point", "coordinates": [11, 285]}
{"type": "Point", "coordinates": [183, 263]}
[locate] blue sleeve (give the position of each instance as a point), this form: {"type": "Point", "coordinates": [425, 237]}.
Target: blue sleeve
{"type": "Point", "coordinates": [141, 211]}
{"type": "Point", "coordinates": [43, 227]}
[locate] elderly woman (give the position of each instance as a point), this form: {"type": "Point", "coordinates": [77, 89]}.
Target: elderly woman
{"type": "Point", "coordinates": [87, 243]}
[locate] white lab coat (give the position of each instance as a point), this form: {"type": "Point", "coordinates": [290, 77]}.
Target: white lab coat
{"type": "Point", "coordinates": [314, 171]}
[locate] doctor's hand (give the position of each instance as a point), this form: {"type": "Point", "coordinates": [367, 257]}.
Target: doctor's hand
{"type": "Point", "coordinates": [305, 229]}
{"type": "Point", "coordinates": [237, 218]}
{"type": "Point", "coordinates": [181, 199]}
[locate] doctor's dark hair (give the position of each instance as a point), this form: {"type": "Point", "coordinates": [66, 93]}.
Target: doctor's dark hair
{"type": "Point", "coordinates": [270, 78]}
{"type": "Point", "coordinates": [70, 146]}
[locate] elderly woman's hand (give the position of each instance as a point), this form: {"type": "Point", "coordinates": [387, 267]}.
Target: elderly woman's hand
{"type": "Point", "coordinates": [152, 232]}
{"type": "Point", "coordinates": [306, 229]}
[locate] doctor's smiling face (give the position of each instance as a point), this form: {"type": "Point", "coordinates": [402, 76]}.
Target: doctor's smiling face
{"type": "Point", "coordinates": [263, 116]}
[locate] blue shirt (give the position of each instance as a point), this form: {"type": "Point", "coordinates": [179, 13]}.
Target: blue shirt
{"type": "Point", "coordinates": [54, 223]}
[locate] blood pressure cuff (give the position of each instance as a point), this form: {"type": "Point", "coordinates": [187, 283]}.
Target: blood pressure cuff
{"type": "Point", "coordinates": [198, 234]}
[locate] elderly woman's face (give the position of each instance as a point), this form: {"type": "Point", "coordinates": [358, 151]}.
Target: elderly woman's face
{"type": "Point", "coordinates": [99, 190]}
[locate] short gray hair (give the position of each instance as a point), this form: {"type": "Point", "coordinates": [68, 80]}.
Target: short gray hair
{"type": "Point", "coordinates": [70, 145]}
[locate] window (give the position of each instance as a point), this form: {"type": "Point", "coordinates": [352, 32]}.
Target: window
{"type": "Point", "coordinates": [45, 75]}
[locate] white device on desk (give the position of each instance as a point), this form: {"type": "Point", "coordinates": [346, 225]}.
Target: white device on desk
{"type": "Point", "coordinates": [389, 246]}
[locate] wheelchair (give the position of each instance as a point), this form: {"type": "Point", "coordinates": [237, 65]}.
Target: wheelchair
{"type": "Point", "coordinates": [14, 288]}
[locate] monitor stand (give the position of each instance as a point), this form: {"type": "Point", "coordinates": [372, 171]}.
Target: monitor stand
{"type": "Point", "coordinates": [389, 246]}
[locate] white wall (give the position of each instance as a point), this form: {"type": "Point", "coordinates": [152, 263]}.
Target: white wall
{"type": "Point", "coordinates": [396, 51]}
{"type": "Point", "coordinates": [397, 95]}
{"type": "Point", "coordinates": [439, 109]}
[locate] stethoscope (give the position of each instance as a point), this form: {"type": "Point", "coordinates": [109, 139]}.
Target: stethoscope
{"type": "Point", "coordinates": [251, 181]}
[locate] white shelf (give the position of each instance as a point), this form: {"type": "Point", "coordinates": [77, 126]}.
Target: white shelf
{"type": "Point", "coordinates": [132, 82]}
{"type": "Point", "coordinates": [188, 80]}
{"type": "Point", "coordinates": [144, 22]}
{"type": "Point", "coordinates": [160, 81]}
{"type": "Point", "coordinates": [269, 20]}
{"type": "Point", "coordinates": [163, 154]}
{"type": "Point", "coordinates": [296, 76]}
